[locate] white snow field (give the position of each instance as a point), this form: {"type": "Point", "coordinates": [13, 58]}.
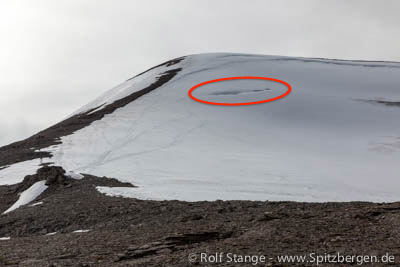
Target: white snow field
{"type": "Point", "coordinates": [324, 142]}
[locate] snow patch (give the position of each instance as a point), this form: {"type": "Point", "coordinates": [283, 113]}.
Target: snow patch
{"type": "Point", "coordinates": [36, 204]}
{"type": "Point", "coordinates": [127, 192]}
{"type": "Point", "coordinates": [4, 238]}
{"type": "Point", "coordinates": [28, 195]}
{"type": "Point", "coordinates": [53, 233]}
{"type": "Point", "coordinates": [81, 231]}
{"type": "Point", "coordinates": [73, 175]}
{"type": "Point", "coordinates": [16, 173]}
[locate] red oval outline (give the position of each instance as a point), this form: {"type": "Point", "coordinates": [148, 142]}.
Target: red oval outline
{"type": "Point", "coordinates": [240, 78]}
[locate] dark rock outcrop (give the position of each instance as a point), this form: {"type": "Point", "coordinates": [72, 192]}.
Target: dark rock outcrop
{"type": "Point", "coordinates": [52, 175]}
{"type": "Point", "coordinates": [173, 243]}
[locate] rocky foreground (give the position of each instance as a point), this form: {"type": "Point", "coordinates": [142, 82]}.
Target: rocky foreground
{"type": "Point", "coordinates": [75, 225]}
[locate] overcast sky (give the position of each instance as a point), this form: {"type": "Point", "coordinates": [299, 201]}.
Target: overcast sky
{"type": "Point", "coordinates": [57, 55]}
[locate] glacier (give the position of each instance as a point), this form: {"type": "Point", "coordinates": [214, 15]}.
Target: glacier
{"type": "Point", "coordinates": [332, 139]}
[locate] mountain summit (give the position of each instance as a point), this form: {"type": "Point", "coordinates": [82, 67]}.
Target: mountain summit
{"type": "Point", "coordinates": [336, 137]}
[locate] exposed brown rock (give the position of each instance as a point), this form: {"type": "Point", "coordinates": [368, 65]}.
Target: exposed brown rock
{"type": "Point", "coordinates": [131, 232]}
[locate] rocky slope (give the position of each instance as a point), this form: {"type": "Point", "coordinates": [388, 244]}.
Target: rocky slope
{"type": "Point", "coordinates": [132, 232]}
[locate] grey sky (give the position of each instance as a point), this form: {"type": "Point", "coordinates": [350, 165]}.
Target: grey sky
{"type": "Point", "coordinates": [56, 56]}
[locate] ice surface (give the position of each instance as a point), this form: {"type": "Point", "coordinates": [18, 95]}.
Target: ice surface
{"type": "Point", "coordinates": [239, 91]}
{"type": "Point", "coordinates": [320, 143]}
{"type": "Point", "coordinates": [28, 195]}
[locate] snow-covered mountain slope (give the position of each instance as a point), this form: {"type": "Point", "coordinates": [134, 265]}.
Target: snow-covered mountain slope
{"type": "Point", "coordinates": [336, 137]}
